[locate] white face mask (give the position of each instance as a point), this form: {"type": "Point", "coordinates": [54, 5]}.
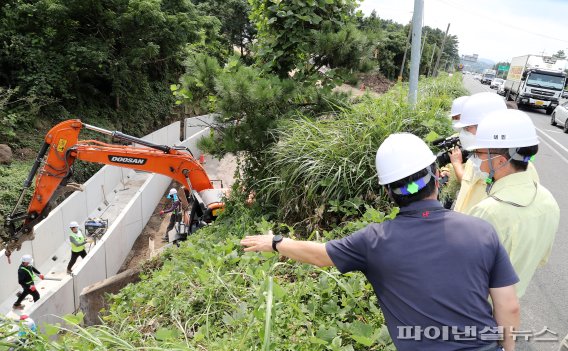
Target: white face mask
{"type": "Point", "coordinates": [466, 139]}
{"type": "Point", "coordinates": [477, 172]}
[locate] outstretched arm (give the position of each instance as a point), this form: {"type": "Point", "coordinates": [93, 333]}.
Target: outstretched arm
{"type": "Point", "coordinates": [506, 310]}
{"type": "Point", "coordinates": [301, 251]}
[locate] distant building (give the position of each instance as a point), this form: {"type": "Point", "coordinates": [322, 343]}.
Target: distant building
{"type": "Point", "coordinates": [469, 58]}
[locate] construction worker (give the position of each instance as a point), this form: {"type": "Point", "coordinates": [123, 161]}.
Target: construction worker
{"type": "Point", "coordinates": [26, 275]}
{"type": "Point", "coordinates": [78, 242]}
{"type": "Point", "coordinates": [474, 110]}
{"type": "Point", "coordinates": [455, 153]}
{"type": "Point", "coordinates": [523, 212]}
{"type": "Point", "coordinates": [427, 275]}
{"type": "Point", "coordinates": [457, 106]}
{"type": "Point", "coordinates": [175, 209]}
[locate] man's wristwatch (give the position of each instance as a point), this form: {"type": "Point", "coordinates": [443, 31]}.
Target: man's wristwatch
{"type": "Point", "coordinates": [276, 239]}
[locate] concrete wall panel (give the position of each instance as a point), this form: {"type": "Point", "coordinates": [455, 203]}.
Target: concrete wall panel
{"type": "Point", "coordinates": [133, 224]}
{"type": "Point", "coordinates": [49, 236]}
{"type": "Point", "coordinates": [161, 136]}
{"type": "Point", "coordinates": [58, 303]}
{"type": "Point", "coordinates": [115, 246]}
{"type": "Point", "coordinates": [89, 271]}
{"type": "Point", "coordinates": [113, 178]}
{"type": "Point", "coordinates": [150, 194]}
{"type": "Point", "coordinates": [173, 134]}
{"type": "Point", "coordinates": [74, 208]}
{"type": "Point", "coordinates": [195, 124]}
{"type": "Point", "coordinates": [93, 191]}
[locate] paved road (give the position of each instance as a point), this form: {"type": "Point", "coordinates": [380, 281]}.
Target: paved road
{"type": "Point", "coordinates": [546, 302]}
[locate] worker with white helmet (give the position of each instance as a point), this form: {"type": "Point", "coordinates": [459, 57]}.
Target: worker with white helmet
{"type": "Point", "coordinates": [475, 109]}
{"type": "Point", "coordinates": [523, 212]}
{"type": "Point", "coordinates": [456, 111]}
{"type": "Point", "coordinates": [432, 281]}
{"type": "Point", "coordinates": [175, 210]}
{"type": "Point", "coordinates": [78, 242]}
{"type": "Point", "coordinates": [26, 276]}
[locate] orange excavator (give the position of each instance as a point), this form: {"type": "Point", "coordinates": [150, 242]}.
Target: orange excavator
{"type": "Point", "coordinates": [62, 147]}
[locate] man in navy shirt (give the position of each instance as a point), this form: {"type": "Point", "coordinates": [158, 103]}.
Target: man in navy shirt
{"type": "Point", "coordinates": [432, 281]}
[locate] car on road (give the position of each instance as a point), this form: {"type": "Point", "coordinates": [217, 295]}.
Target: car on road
{"type": "Point", "coordinates": [560, 116]}
{"type": "Point", "coordinates": [496, 82]}
{"type": "Point", "coordinates": [501, 89]}
{"type": "Point", "coordinates": [477, 76]}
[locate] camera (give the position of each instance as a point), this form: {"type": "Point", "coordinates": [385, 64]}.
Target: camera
{"type": "Point", "coordinates": [446, 145]}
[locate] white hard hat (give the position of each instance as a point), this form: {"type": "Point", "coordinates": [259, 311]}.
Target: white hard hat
{"type": "Point", "coordinates": [400, 156]}
{"type": "Point", "coordinates": [476, 108]}
{"type": "Point", "coordinates": [504, 130]}
{"type": "Point", "coordinates": [173, 191]}
{"type": "Point", "coordinates": [457, 106]}
{"type": "Point", "coordinates": [73, 225]}
{"type": "Point", "coordinates": [27, 259]}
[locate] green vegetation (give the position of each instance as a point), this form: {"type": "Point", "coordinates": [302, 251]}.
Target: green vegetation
{"type": "Point", "coordinates": [318, 163]}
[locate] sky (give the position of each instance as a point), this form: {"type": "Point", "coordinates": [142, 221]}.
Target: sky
{"type": "Point", "coordinates": [496, 30]}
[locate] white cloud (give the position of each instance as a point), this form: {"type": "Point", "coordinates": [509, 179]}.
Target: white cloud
{"type": "Point", "coordinates": [498, 30]}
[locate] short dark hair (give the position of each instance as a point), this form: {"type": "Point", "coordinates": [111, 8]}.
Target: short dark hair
{"type": "Point", "coordinates": [405, 200]}
{"type": "Point", "coordinates": [519, 166]}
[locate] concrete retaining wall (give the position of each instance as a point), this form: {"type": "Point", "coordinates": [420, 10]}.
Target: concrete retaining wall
{"type": "Point", "coordinates": [105, 258]}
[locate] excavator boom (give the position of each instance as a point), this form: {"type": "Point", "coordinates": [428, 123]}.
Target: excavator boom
{"type": "Point", "coordinates": [62, 147]}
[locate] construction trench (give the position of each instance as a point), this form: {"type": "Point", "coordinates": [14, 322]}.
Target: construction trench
{"type": "Point", "coordinates": [130, 201]}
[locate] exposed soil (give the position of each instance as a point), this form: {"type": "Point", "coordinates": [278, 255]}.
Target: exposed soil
{"type": "Point", "coordinates": [372, 83]}
{"type": "Point", "coordinates": [154, 230]}
{"type": "Point", "coordinates": [24, 154]}
{"type": "Point", "coordinates": [375, 82]}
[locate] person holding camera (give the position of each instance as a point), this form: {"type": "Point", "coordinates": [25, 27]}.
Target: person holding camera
{"type": "Point", "coordinates": [475, 109]}
{"type": "Point", "coordinates": [524, 213]}
{"type": "Point", "coordinates": [427, 276]}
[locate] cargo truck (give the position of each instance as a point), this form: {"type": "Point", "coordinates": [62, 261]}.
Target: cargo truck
{"type": "Point", "coordinates": [487, 76]}
{"type": "Point", "coordinates": [536, 81]}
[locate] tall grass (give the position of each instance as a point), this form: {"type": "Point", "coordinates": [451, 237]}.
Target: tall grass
{"type": "Point", "coordinates": [332, 158]}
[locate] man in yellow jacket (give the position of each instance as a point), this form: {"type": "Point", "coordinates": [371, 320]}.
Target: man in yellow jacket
{"type": "Point", "coordinates": [474, 110]}
{"type": "Point", "coordinates": [524, 214]}
{"type": "Point", "coordinates": [78, 242]}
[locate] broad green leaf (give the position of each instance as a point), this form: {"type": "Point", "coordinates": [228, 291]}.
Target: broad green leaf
{"type": "Point", "coordinates": [164, 334]}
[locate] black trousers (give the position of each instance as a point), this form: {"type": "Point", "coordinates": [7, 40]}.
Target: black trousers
{"type": "Point", "coordinates": [26, 292]}
{"type": "Point", "coordinates": [74, 256]}
{"type": "Point", "coordinates": [173, 220]}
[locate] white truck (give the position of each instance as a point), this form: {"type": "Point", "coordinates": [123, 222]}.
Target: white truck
{"type": "Point", "coordinates": [487, 76]}
{"type": "Point", "coordinates": [536, 81]}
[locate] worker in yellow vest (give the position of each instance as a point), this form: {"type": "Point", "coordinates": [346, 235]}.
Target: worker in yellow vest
{"type": "Point", "coordinates": [78, 241]}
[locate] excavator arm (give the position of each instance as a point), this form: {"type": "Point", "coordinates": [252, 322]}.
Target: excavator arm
{"type": "Point", "coordinates": [62, 147]}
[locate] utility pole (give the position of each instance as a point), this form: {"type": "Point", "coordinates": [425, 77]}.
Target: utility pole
{"type": "Point", "coordinates": [435, 73]}
{"type": "Point", "coordinates": [415, 52]}
{"type": "Point", "coordinates": [404, 57]}
{"type": "Point", "coordinates": [431, 60]}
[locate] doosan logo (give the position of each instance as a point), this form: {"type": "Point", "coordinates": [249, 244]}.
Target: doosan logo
{"type": "Point", "coordinates": [127, 160]}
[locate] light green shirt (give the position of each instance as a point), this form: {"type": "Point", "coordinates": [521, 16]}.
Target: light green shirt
{"type": "Point", "coordinates": [527, 233]}
{"type": "Point", "coordinates": [473, 190]}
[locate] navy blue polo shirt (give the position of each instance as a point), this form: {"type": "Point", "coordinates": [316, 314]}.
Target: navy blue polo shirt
{"type": "Point", "coordinates": [431, 269]}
